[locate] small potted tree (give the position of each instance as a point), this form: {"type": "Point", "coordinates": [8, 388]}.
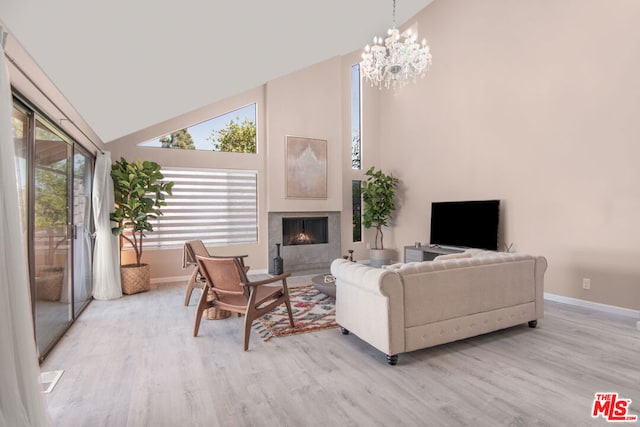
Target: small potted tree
{"type": "Point", "coordinates": [378, 194]}
{"type": "Point", "coordinates": [139, 194]}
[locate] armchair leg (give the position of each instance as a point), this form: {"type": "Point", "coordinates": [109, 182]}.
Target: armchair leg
{"type": "Point", "coordinates": [288, 304]}
{"type": "Point", "coordinates": [190, 285]}
{"type": "Point", "coordinates": [202, 305]}
{"type": "Point", "coordinates": [248, 321]}
{"type": "Point", "coordinates": [392, 359]}
{"type": "Point", "coordinates": [533, 323]}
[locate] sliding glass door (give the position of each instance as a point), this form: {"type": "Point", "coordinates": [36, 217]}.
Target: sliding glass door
{"type": "Point", "coordinates": [82, 228]}
{"type": "Point", "coordinates": [54, 180]}
{"type": "Point", "coordinates": [51, 235]}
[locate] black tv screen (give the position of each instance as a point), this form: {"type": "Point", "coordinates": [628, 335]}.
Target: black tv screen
{"type": "Point", "coordinates": [467, 224]}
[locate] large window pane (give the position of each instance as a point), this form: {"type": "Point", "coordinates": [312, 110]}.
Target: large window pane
{"type": "Point", "coordinates": [233, 132]}
{"type": "Point", "coordinates": [356, 143]}
{"type": "Point", "coordinates": [356, 203]}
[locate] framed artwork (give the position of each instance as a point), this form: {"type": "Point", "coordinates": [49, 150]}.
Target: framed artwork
{"type": "Point", "coordinates": [306, 168]}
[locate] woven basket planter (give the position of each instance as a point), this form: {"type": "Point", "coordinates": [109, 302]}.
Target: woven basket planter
{"type": "Point", "coordinates": [215, 313]}
{"type": "Point", "coordinates": [135, 278]}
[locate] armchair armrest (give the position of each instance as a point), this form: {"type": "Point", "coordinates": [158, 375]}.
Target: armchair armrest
{"type": "Point", "coordinates": [229, 256]}
{"type": "Point", "coordinates": [280, 277]}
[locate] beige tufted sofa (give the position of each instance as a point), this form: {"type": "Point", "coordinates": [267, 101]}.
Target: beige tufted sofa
{"type": "Point", "coordinates": [406, 307]}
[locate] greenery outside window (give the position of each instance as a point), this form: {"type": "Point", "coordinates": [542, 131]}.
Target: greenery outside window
{"type": "Point", "coordinates": [233, 132]}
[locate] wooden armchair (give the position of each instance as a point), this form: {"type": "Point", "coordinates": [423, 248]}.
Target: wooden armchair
{"type": "Point", "coordinates": [193, 249]}
{"type": "Point", "coordinates": [226, 277]}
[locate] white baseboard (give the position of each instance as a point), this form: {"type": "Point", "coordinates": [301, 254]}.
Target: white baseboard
{"type": "Point", "coordinates": [160, 280]}
{"type": "Point", "coordinates": [594, 305]}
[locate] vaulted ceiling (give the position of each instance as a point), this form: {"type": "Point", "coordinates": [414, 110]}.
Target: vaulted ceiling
{"type": "Point", "coordinates": [128, 64]}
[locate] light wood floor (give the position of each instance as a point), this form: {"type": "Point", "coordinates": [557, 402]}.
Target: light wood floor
{"type": "Point", "coordinates": [133, 362]}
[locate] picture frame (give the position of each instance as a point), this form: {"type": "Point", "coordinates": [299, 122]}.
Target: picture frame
{"type": "Point", "coordinates": [306, 168]}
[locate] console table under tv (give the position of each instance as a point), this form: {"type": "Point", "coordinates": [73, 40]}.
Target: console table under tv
{"type": "Point", "coordinates": [427, 253]}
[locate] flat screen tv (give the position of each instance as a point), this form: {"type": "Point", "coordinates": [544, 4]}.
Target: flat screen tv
{"type": "Point", "coordinates": [467, 224]}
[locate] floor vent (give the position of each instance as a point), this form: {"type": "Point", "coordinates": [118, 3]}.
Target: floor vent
{"type": "Point", "coordinates": [48, 380]}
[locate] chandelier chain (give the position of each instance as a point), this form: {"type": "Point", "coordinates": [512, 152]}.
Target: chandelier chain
{"type": "Point", "coordinates": [394, 13]}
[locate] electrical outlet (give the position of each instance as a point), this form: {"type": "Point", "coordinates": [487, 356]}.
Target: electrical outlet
{"type": "Point", "coordinates": [586, 283]}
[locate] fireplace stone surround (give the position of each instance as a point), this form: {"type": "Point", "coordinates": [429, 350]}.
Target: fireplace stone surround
{"type": "Point", "coordinates": [308, 258]}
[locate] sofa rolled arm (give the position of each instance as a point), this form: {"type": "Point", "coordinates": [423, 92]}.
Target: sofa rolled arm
{"type": "Point", "coordinates": [370, 304]}
{"type": "Point", "coordinates": [359, 275]}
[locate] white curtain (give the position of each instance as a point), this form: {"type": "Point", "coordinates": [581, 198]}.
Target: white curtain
{"type": "Point", "coordinates": [21, 403]}
{"type": "Point", "coordinates": [106, 264]}
{"type": "Point", "coordinates": [81, 264]}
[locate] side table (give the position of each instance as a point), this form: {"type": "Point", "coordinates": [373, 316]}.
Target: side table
{"type": "Point", "coordinates": [319, 283]}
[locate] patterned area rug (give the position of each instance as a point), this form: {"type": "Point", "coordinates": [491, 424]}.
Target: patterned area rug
{"type": "Point", "coordinates": [312, 311]}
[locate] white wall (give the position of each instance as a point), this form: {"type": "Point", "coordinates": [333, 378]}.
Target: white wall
{"type": "Point", "coordinates": [305, 104]}
{"type": "Point", "coordinates": [536, 104]}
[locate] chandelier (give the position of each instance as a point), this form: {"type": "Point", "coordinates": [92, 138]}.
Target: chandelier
{"type": "Point", "coordinates": [393, 61]}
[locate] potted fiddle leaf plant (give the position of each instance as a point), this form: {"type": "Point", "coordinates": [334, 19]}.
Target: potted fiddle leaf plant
{"type": "Point", "coordinates": [139, 193]}
{"type": "Point", "coordinates": [378, 196]}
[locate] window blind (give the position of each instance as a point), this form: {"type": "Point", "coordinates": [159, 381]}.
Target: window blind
{"type": "Point", "coordinates": [215, 206]}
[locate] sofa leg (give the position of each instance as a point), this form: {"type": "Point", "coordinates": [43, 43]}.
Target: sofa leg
{"type": "Point", "coordinates": [392, 359]}
{"type": "Point", "coordinates": [344, 331]}
{"type": "Point", "coordinates": [533, 323]}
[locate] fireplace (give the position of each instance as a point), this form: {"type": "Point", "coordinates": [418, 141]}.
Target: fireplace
{"type": "Point", "coordinates": [305, 231]}
{"type": "Point", "coordinates": [310, 240]}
